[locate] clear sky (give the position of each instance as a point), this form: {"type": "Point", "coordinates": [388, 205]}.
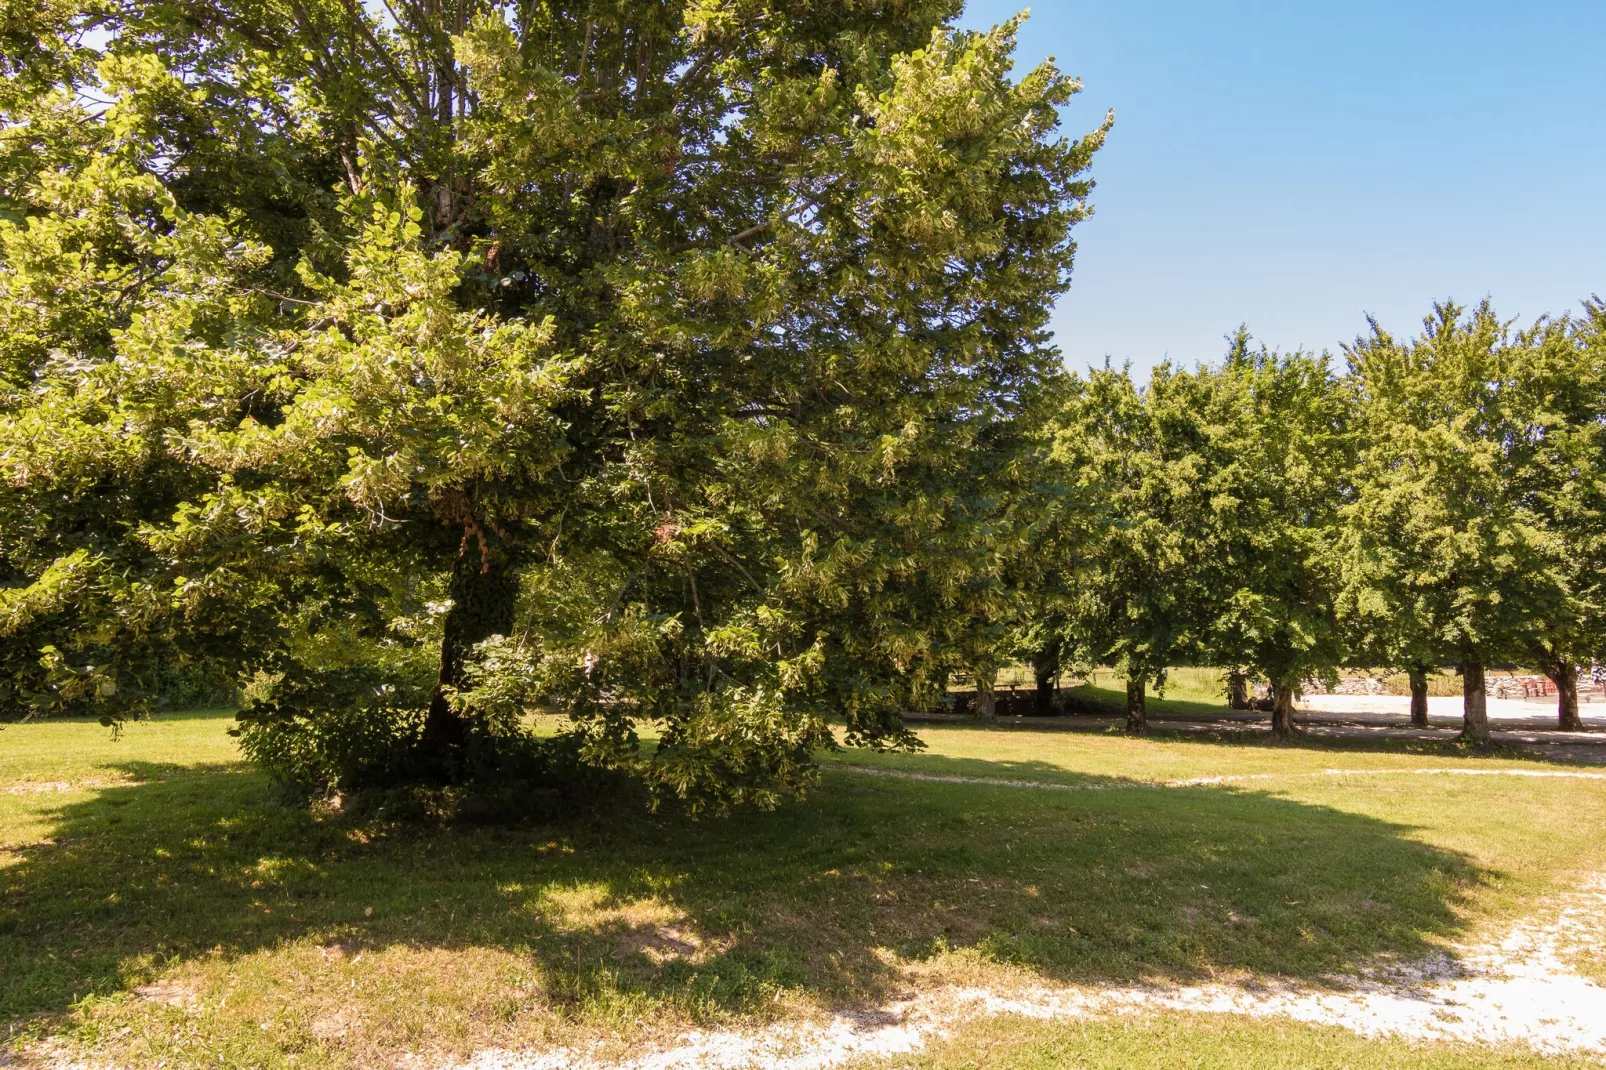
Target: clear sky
{"type": "Point", "coordinates": [1297, 164]}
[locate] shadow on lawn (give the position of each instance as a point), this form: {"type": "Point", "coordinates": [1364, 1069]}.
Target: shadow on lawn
{"type": "Point", "coordinates": [1255, 733]}
{"type": "Point", "coordinates": [194, 862]}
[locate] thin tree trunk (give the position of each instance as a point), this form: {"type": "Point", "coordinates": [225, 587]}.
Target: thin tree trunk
{"type": "Point", "coordinates": [1418, 675]}
{"type": "Point", "coordinates": [484, 591]}
{"type": "Point", "coordinates": [1564, 675]}
{"type": "Point", "coordinates": [1474, 704]}
{"type": "Point", "coordinates": [1282, 709]}
{"type": "Point", "coordinates": [986, 694]}
{"type": "Point", "coordinates": [1137, 713]}
{"type": "Point", "coordinates": [1237, 691]}
{"type": "Point", "coordinates": [1046, 671]}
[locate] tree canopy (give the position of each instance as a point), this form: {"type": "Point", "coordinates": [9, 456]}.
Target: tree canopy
{"type": "Point", "coordinates": [1284, 437]}
{"type": "Point", "coordinates": [1216, 492]}
{"type": "Point", "coordinates": [657, 362]}
{"type": "Point", "coordinates": [1474, 535]}
{"type": "Point", "coordinates": [1139, 600]}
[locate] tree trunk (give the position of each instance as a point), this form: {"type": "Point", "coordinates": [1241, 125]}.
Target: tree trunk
{"type": "Point", "coordinates": [1237, 691]}
{"type": "Point", "coordinates": [1282, 709]}
{"type": "Point", "coordinates": [484, 591]}
{"type": "Point", "coordinates": [1418, 675]}
{"type": "Point", "coordinates": [1565, 676]}
{"type": "Point", "coordinates": [1474, 704]}
{"type": "Point", "coordinates": [986, 695]}
{"type": "Point", "coordinates": [1137, 713]}
{"type": "Point", "coordinates": [1046, 671]}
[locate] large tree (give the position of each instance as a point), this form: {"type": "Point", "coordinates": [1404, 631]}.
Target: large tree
{"type": "Point", "coordinates": [1466, 487]}
{"type": "Point", "coordinates": [1281, 428]}
{"type": "Point", "coordinates": [1558, 389]}
{"type": "Point", "coordinates": [1138, 592]}
{"type": "Point", "coordinates": [664, 362]}
{"type": "Point", "coordinates": [1209, 503]}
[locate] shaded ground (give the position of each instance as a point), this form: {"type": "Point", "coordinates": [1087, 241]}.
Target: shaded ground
{"type": "Point", "coordinates": [1526, 726]}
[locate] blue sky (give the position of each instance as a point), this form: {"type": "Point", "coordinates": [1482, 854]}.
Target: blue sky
{"type": "Point", "coordinates": [1297, 164]}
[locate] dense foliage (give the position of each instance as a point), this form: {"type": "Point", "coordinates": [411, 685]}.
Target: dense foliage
{"type": "Point", "coordinates": [1475, 534]}
{"type": "Point", "coordinates": [1139, 602]}
{"type": "Point", "coordinates": [1441, 504]}
{"type": "Point", "coordinates": [666, 365]}
{"type": "Point", "coordinates": [1219, 489]}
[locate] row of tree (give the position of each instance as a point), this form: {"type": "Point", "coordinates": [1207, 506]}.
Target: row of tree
{"type": "Point", "coordinates": [1442, 503]}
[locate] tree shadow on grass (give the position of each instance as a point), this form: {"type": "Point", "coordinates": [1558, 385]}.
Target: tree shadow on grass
{"type": "Point", "coordinates": [199, 868]}
{"type": "Point", "coordinates": [1586, 757]}
{"type": "Point", "coordinates": [1357, 739]}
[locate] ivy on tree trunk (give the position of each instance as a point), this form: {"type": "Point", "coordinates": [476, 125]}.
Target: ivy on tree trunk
{"type": "Point", "coordinates": [1137, 714]}
{"type": "Point", "coordinates": [1474, 703]}
{"type": "Point", "coordinates": [484, 592]}
{"type": "Point", "coordinates": [1282, 709]}
{"type": "Point", "coordinates": [1564, 675]}
{"type": "Point", "coordinates": [1418, 675]}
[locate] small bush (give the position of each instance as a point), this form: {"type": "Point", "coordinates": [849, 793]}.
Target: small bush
{"type": "Point", "coordinates": [352, 734]}
{"type": "Point", "coordinates": [321, 732]}
{"type": "Point", "coordinates": [196, 685]}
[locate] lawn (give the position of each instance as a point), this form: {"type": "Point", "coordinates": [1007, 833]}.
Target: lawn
{"type": "Point", "coordinates": [160, 903]}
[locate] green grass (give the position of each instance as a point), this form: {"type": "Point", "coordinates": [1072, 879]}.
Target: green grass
{"type": "Point", "coordinates": [1193, 1042]}
{"type": "Point", "coordinates": [275, 936]}
{"type": "Point", "coordinates": [1109, 697]}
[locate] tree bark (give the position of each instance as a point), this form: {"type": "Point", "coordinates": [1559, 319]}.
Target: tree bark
{"type": "Point", "coordinates": [986, 694]}
{"type": "Point", "coordinates": [1564, 675]}
{"type": "Point", "coordinates": [1418, 675]}
{"type": "Point", "coordinates": [1282, 709]}
{"type": "Point", "coordinates": [484, 590]}
{"type": "Point", "coordinates": [1046, 671]}
{"type": "Point", "coordinates": [1237, 691]}
{"type": "Point", "coordinates": [1474, 704]}
{"type": "Point", "coordinates": [1137, 713]}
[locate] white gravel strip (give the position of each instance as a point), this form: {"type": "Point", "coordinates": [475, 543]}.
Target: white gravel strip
{"type": "Point", "coordinates": [1204, 781]}
{"type": "Point", "coordinates": [1448, 708]}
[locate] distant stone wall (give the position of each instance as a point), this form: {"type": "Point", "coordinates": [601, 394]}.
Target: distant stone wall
{"type": "Point", "coordinates": [1347, 685]}
{"type": "Point", "coordinates": [1496, 685]}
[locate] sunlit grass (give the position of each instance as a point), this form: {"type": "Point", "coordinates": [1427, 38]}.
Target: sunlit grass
{"type": "Point", "coordinates": [1196, 1042]}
